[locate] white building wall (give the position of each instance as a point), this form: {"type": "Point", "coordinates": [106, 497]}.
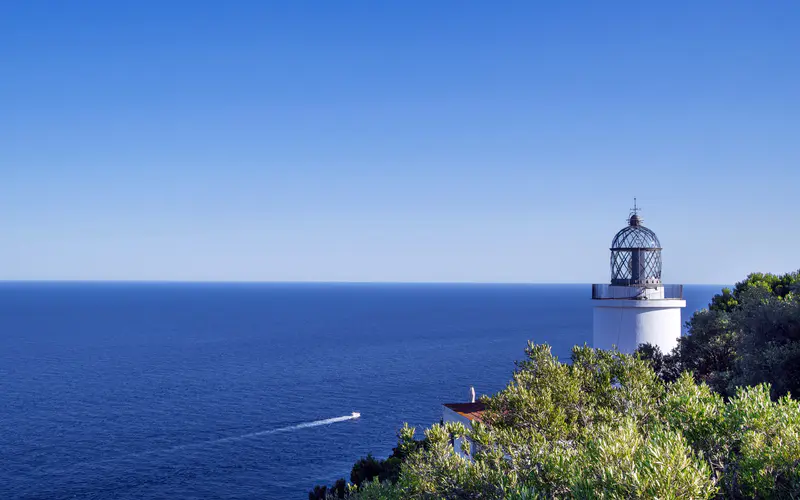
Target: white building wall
{"type": "Point", "coordinates": [628, 323]}
{"type": "Point", "coordinates": [449, 415]}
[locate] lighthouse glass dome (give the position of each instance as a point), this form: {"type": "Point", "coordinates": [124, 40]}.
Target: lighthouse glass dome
{"type": "Point", "coordinates": [635, 256]}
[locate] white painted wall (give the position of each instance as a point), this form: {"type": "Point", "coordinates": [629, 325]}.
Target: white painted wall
{"type": "Point", "coordinates": [628, 323]}
{"type": "Point", "coordinates": [449, 415]}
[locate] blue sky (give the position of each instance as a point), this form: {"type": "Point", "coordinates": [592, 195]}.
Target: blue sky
{"type": "Point", "coordinates": [396, 141]}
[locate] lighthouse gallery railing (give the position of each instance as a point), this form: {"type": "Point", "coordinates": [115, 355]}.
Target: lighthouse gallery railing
{"type": "Point", "coordinates": [609, 292]}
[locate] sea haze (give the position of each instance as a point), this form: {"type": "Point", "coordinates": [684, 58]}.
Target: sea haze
{"type": "Point", "coordinates": [184, 391]}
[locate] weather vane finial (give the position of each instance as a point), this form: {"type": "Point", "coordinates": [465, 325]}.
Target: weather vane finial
{"type": "Point", "coordinates": [633, 217]}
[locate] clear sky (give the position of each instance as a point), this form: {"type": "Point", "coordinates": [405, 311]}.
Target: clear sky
{"type": "Point", "coordinates": [397, 140]}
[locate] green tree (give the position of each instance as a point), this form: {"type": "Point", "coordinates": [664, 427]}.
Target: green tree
{"type": "Point", "coordinates": [768, 348]}
{"type": "Point", "coordinates": [369, 469]}
{"type": "Point", "coordinates": [562, 400]}
{"type": "Point", "coordinates": [748, 335]}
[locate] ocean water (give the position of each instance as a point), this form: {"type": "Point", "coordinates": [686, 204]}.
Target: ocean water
{"type": "Point", "coordinates": [179, 391]}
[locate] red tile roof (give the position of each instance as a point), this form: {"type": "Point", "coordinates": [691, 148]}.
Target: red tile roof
{"type": "Point", "coordinates": [472, 411]}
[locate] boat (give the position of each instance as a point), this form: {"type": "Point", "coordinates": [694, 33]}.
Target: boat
{"type": "Point", "coordinates": [355, 414]}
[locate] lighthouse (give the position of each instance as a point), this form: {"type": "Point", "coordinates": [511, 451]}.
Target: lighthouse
{"type": "Point", "coordinates": [636, 307]}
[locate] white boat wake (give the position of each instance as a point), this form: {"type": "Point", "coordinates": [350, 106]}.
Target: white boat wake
{"type": "Point", "coordinates": [305, 425]}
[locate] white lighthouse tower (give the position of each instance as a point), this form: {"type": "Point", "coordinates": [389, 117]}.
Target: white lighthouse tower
{"type": "Point", "coordinates": [636, 308]}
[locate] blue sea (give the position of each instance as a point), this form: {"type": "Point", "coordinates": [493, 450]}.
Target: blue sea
{"type": "Point", "coordinates": [186, 391]}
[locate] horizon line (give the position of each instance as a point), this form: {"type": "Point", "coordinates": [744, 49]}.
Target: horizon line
{"type": "Point", "coordinates": [313, 282]}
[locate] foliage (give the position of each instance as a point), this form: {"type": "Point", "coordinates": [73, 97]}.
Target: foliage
{"type": "Point", "coordinates": [622, 461]}
{"type": "Point", "coordinates": [664, 364]}
{"type": "Point", "coordinates": [376, 490]}
{"type": "Point", "coordinates": [604, 426]}
{"type": "Point", "coordinates": [769, 341]}
{"type": "Point", "coordinates": [748, 335]}
{"type": "Point", "coordinates": [764, 437]}
{"type": "Point", "coordinates": [369, 469]}
{"type": "Point", "coordinates": [338, 490]}
{"type": "Point", "coordinates": [560, 401]}
{"type": "Point", "coordinates": [777, 285]}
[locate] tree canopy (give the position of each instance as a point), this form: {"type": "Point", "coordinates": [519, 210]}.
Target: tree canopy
{"type": "Point", "coordinates": [748, 335]}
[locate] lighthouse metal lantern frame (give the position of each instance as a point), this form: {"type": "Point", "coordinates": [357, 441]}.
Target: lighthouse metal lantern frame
{"type": "Point", "coordinates": [636, 255]}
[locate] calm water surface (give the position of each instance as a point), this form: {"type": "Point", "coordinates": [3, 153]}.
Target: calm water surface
{"type": "Point", "coordinates": [218, 390]}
